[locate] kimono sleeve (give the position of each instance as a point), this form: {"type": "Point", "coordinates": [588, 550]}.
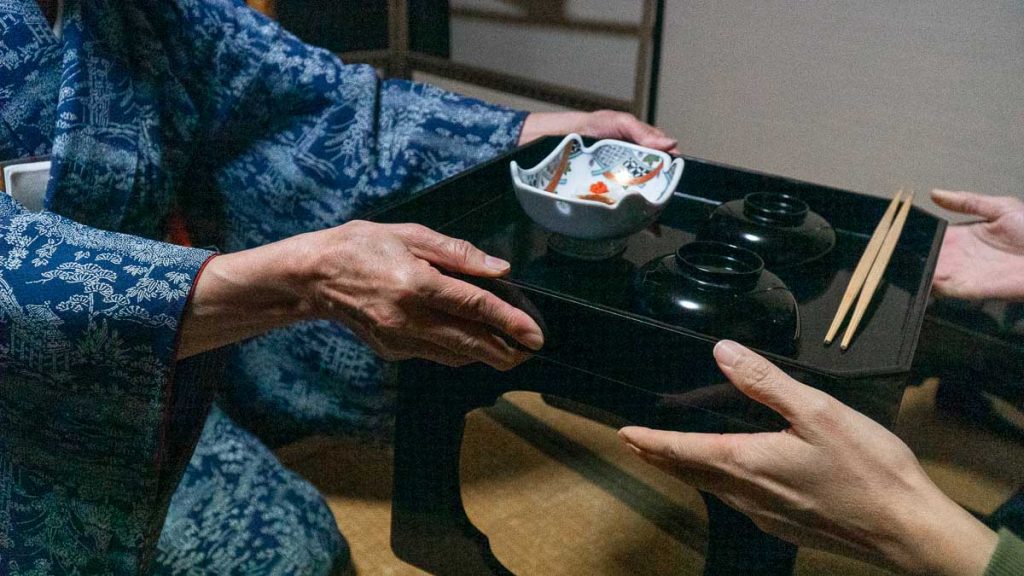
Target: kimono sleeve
{"type": "Point", "coordinates": [304, 141]}
{"type": "Point", "coordinates": [96, 426]}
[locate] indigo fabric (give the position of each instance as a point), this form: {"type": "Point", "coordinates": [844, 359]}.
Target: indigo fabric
{"type": "Point", "coordinates": [205, 108]}
{"type": "Point", "coordinates": [89, 320]}
{"type": "Point", "coordinates": [238, 511]}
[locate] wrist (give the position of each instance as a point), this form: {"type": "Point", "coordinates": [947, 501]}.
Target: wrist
{"type": "Point", "coordinates": [281, 278]}
{"type": "Point", "coordinates": [540, 124]}
{"type": "Point", "coordinates": [943, 539]}
{"type": "Point", "coordinates": [264, 280]}
{"type": "Point", "coordinates": [238, 296]}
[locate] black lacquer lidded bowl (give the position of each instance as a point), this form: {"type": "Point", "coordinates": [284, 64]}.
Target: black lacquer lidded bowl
{"type": "Point", "coordinates": [720, 290]}
{"type": "Point", "coordinates": [779, 227]}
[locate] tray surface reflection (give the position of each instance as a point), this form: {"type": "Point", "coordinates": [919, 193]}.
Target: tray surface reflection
{"type": "Point", "coordinates": [590, 315]}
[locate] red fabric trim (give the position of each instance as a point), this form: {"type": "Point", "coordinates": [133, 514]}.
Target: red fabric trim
{"type": "Point", "coordinates": [177, 229]}
{"type": "Point", "coordinates": [166, 396]}
{"type": "Point", "coordinates": [188, 301]}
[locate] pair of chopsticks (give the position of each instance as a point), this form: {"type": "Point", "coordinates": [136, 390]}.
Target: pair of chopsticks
{"type": "Point", "coordinates": [870, 269]}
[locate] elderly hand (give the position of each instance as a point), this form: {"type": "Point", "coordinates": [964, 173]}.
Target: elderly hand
{"type": "Point", "coordinates": [383, 281]}
{"type": "Point", "coordinates": [600, 124]}
{"type": "Point", "coordinates": [982, 260]}
{"type": "Point", "coordinates": [834, 480]}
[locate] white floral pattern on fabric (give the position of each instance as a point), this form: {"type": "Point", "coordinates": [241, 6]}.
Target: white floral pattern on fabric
{"type": "Point", "coordinates": [87, 335]}
{"type": "Point", "coordinates": [281, 526]}
{"type": "Point", "coordinates": [206, 106]}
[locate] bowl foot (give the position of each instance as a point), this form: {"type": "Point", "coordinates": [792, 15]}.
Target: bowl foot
{"type": "Point", "coordinates": [587, 249]}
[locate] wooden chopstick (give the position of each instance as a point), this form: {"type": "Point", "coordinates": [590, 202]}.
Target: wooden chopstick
{"type": "Point", "coordinates": [892, 237]}
{"type": "Point", "coordinates": [860, 273]}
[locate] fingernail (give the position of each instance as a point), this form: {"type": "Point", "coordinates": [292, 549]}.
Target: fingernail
{"type": "Point", "coordinates": [636, 450]}
{"type": "Point", "coordinates": [728, 352]}
{"type": "Point", "coordinates": [496, 264]}
{"type": "Point", "coordinates": [627, 434]}
{"type": "Point", "coordinates": [533, 340]}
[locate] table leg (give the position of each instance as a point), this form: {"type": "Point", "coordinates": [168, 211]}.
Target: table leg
{"type": "Point", "coordinates": [429, 526]}
{"type": "Point", "coordinates": [737, 546]}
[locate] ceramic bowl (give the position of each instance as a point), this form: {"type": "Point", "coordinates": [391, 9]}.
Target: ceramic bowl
{"type": "Point", "coordinates": [719, 290]}
{"type": "Point", "coordinates": [603, 192]}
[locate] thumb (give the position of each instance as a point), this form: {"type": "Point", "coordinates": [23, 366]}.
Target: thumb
{"type": "Point", "coordinates": [987, 207]}
{"type": "Point", "coordinates": [767, 384]}
{"type": "Point", "coordinates": [452, 254]}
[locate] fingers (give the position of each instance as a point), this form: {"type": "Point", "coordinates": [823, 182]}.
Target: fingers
{"type": "Point", "coordinates": [678, 450]}
{"type": "Point", "coordinates": [463, 300]}
{"type": "Point", "coordinates": [468, 339]}
{"type": "Point", "coordinates": [599, 124]}
{"type": "Point", "coordinates": [764, 382]}
{"type": "Point", "coordinates": [450, 253]}
{"type": "Point", "coordinates": [987, 207]}
{"type": "Point", "coordinates": [445, 340]}
{"type": "Point", "coordinates": [428, 351]}
{"type": "Point", "coordinates": [644, 134]}
{"type": "Point", "coordinates": [700, 478]}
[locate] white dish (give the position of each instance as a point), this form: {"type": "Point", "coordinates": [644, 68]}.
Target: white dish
{"type": "Point", "coordinates": [607, 191]}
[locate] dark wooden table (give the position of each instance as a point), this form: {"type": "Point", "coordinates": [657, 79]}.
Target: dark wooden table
{"type": "Point", "coordinates": [602, 353]}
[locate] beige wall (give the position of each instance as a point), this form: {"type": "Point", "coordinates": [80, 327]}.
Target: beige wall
{"type": "Point", "coordinates": [868, 95]}
{"type": "Point", "coordinates": [602, 63]}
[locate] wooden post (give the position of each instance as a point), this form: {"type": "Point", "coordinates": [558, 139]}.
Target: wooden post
{"type": "Point", "coordinates": [398, 39]}
{"type": "Point", "coordinates": [267, 7]}
{"type": "Point", "coordinates": [644, 56]}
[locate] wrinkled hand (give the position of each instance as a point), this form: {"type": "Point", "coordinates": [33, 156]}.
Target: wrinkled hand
{"type": "Point", "coordinates": [600, 124]}
{"type": "Point", "coordinates": [383, 282]}
{"type": "Point", "coordinates": [982, 260]}
{"type": "Point", "coordinates": [834, 480]}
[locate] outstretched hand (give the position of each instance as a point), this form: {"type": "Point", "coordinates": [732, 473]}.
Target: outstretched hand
{"type": "Point", "coordinates": [985, 259]}
{"type": "Point", "coordinates": [834, 480]}
{"type": "Point", "coordinates": [384, 281]}
{"type": "Point", "coordinates": [600, 124]}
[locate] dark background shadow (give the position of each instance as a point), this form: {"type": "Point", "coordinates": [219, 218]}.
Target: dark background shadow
{"type": "Point", "coordinates": [348, 25]}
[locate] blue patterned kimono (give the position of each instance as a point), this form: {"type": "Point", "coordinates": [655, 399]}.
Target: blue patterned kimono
{"type": "Point", "coordinates": [115, 458]}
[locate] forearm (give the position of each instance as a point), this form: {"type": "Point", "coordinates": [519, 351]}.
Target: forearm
{"type": "Point", "coordinates": [540, 124]}
{"type": "Point", "coordinates": [241, 295]}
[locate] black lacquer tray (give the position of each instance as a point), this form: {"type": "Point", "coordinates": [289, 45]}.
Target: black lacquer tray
{"type": "Point", "coordinates": [591, 323]}
{"type": "Point", "coordinates": [602, 351]}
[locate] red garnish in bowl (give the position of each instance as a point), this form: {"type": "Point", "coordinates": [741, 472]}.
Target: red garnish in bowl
{"type": "Point", "coordinates": [598, 188]}
{"type": "Point", "coordinates": [597, 198]}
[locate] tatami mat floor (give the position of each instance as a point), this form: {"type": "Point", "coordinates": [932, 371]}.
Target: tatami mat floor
{"type": "Point", "coordinates": [558, 494]}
